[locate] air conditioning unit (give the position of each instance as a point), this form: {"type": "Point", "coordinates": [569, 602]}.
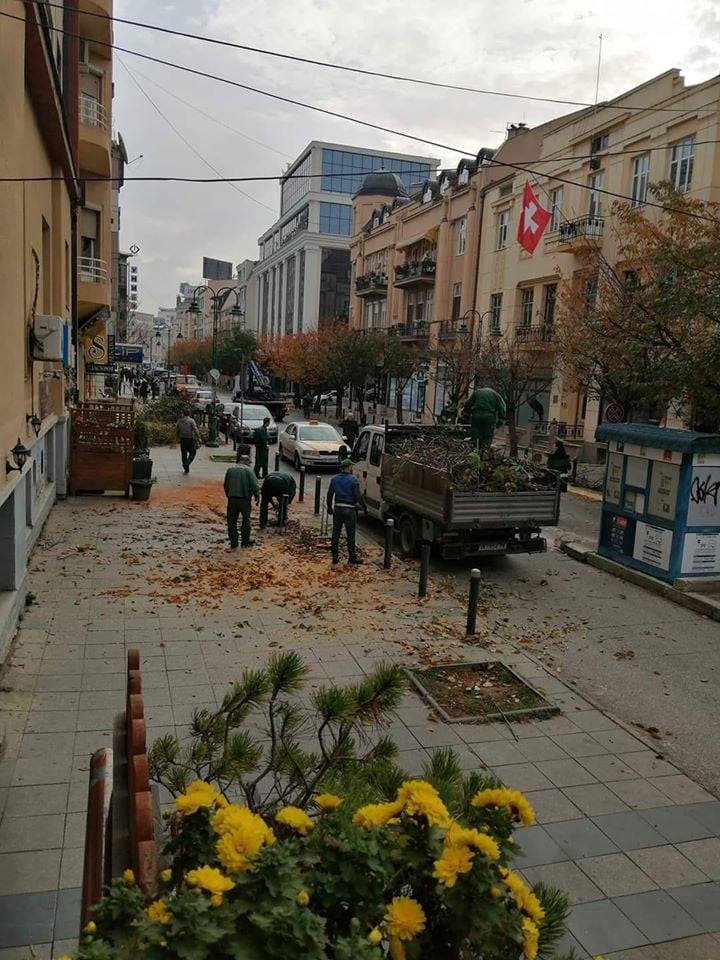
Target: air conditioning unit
{"type": "Point", "coordinates": [47, 341]}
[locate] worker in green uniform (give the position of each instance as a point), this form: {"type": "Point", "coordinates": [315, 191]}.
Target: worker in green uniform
{"type": "Point", "coordinates": [274, 486]}
{"type": "Point", "coordinates": [241, 487]}
{"type": "Point", "coordinates": [260, 436]}
{"type": "Point", "coordinates": [486, 409]}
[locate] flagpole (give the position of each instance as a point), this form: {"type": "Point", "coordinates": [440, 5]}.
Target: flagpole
{"type": "Point", "coordinates": [597, 78]}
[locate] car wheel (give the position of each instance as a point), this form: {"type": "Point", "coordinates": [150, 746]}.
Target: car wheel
{"type": "Point", "coordinates": [296, 462]}
{"type": "Point", "coordinates": [408, 536]}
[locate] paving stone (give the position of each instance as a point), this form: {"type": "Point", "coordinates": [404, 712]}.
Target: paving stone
{"type": "Point", "coordinates": [667, 866]}
{"type": "Point", "coordinates": [537, 847]}
{"type": "Point", "coordinates": [580, 745]}
{"type": "Point", "coordinates": [702, 947]}
{"type": "Point", "coordinates": [566, 876]}
{"type": "Point", "coordinates": [522, 776]}
{"type": "Point", "coordinates": [616, 875]}
{"type": "Point", "coordinates": [27, 918]}
{"type": "Point", "coordinates": [28, 772]}
{"type": "Point", "coordinates": [29, 872]}
{"type": "Point", "coordinates": [601, 928]}
{"type": "Point", "coordinates": [436, 735]}
{"type": "Point", "coordinates": [565, 773]}
{"type": "Point", "coordinates": [51, 721]}
{"type": "Point", "coordinates": [553, 726]}
{"type": "Point", "coordinates": [629, 831]}
{"type": "Point", "coordinates": [499, 753]}
{"type": "Point", "coordinates": [67, 918]}
{"type": "Point", "coordinates": [658, 915]}
{"type": "Point", "coordinates": [639, 794]}
{"type": "Point", "coordinates": [552, 805]}
{"type": "Point", "coordinates": [591, 720]}
{"type": "Point", "coordinates": [540, 748]}
{"type": "Point", "coordinates": [71, 867]}
{"type": "Point", "coordinates": [39, 746]}
{"type": "Point", "coordinates": [36, 800]}
{"type": "Point", "coordinates": [567, 945]}
{"type": "Point", "coordinates": [41, 951]}
{"type": "Point", "coordinates": [609, 768]}
{"type": "Point", "coordinates": [676, 824]}
{"type": "Point", "coordinates": [618, 741]}
{"type": "Point", "coordinates": [649, 764]}
{"type": "Point", "coordinates": [702, 902]}
{"type": "Point", "coordinates": [44, 832]}
{"type": "Point", "coordinates": [706, 813]}
{"type": "Point", "coordinates": [595, 799]}
{"type": "Point", "coordinates": [74, 830]}
{"type": "Point", "coordinates": [681, 789]}
{"type": "Point", "coordinates": [705, 854]}
{"type": "Point", "coordinates": [580, 839]}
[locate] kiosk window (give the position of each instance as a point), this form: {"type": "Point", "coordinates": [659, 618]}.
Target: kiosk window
{"type": "Point", "coordinates": [376, 450]}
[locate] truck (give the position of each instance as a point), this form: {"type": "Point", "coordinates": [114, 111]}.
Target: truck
{"type": "Point", "coordinates": [427, 507]}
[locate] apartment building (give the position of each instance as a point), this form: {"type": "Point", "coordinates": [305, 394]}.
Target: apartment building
{"type": "Point", "coordinates": [304, 268]}
{"type": "Point", "coordinates": [39, 106]}
{"type": "Point", "coordinates": [246, 300]}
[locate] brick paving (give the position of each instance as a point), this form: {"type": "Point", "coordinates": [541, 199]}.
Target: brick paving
{"type": "Point", "coordinates": [634, 842]}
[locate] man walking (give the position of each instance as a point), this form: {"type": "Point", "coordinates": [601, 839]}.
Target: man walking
{"type": "Point", "coordinates": [486, 408]}
{"type": "Point", "coordinates": [343, 500]}
{"type": "Point", "coordinates": [241, 487]}
{"type": "Point", "coordinates": [276, 485]}
{"type": "Point", "coordinates": [350, 429]}
{"type": "Point", "coordinates": [189, 439]}
{"type": "Point", "coordinates": [260, 436]}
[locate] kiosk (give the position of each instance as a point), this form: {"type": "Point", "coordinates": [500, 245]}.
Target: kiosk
{"type": "Point", "coordinates": [661, 504]}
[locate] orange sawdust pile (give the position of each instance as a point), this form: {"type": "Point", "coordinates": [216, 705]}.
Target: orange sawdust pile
{"type": "Point", "coordinates": [208, 494]}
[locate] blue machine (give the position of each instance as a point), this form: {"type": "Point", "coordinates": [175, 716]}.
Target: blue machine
{"type": "Point", "coordinates": [661, 505]}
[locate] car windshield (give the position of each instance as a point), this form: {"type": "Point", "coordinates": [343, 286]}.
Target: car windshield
{"type": "Point", "coordinates": [322, 431]}
{"type": "Point", "coordinates": [254, 413]}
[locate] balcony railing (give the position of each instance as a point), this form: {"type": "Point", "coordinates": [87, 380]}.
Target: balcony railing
{"type": "Point", "coordinates": [415, 271]}
{"type": "Point", "coordinates": [92, 112]}
{"type": "Point", "coordinates": [534, 334]}
{"type": "Point", "coordinates": [582, 228]}
{"type": "Point", "coordinates": [371, 283]}
{"type": "Point", "coordinates": [417, 330]}
{"type": "Point", "coordinates": [92, 270]}
{"type": "Point", "coordinates": [447, 329]}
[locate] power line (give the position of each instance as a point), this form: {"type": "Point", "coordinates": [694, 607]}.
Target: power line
{"type": "Point", "coordinates": [364, 72]}
{"type": "Point", "coordinates": [365, 123]}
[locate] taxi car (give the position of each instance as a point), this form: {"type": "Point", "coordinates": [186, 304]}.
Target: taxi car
{"type": "Point", "coordinates": [311, 443]}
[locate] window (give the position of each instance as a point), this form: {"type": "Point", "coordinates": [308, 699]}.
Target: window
{"type": "Point", "coordinates": [89, 245]}
{"type": "Point", "coordinates": [495, 312]}
{"type": "Point", "coordinates": [595, 184]}
{"type": "Point", "coordinates": [375, 314]}
{"type": "Point", "coordinates": [503, 220]}
{"type": "Point", "coordinates": [301, 291]}
{"type": "Point", "coordinates": [640, 174]}
{"type": "Point", "coordinates": [591, 289]}
{"type": "Point", "coordinates": [599, 142]}
{"type": "Point", "coordinates": [292, 190]}
{"type": "Point", "coordinates": [361, 449]}
{"type": "Point", "coordinates": [456, 300]}
{"type": "Point", "coordinates": [556, 201]}
{"type": "Point", "coordinates": [682, 155]}
{"type": "Point", "coordinates": [376, 450]}
{"type": "Point", "coordinates": [336, 218]}
{"type": "Point", "coordinates": [460, 236]}
{"type": "Point", "coordinates": [549, 299]}
{"type": "Point", "coordinates": [289, 294]}
{"type": "Point", "coordinates": [344, 171]}
{"type": "Point", "coordinates": [526, 306]}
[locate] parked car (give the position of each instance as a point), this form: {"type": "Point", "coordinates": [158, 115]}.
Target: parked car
{"type": "Point", "coordinates": [253, 415]}
{"type": "Point", "coordinates": [204, 397]}
{"type": "Point", "coordinates": [311, 443]}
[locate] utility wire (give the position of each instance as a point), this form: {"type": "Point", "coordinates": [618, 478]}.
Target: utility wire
{"type": "Point", "coordinates": [365, 123]}
{"type": "Point", "coordinates": [368, 73]}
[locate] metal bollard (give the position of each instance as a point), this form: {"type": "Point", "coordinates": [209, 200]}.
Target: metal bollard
{"type": "Point", "coordinates": [283, 512]}
{"type": "Point", "coordinates": [301, 493]}
{"type": "Point", "coordinates": [389, 531]}
{"type": "Point", "coordinates": [473, 602]}
{"type": "Point", "coordinates": [277, 460]}
{"type": "Point", "coordinates": [424, 569]}
{"type": "Point", "coordinates": [318, 486]}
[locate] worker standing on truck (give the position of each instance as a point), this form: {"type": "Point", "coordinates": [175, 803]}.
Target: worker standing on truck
{"type": "Point", "coordinates": [260, 436]}
{"type": "Point", "coordinates": [486, 408]}
{"type": "Point", "coordinates": [275, 485]}
{"type": "Point", "coordinates": [343, 500]}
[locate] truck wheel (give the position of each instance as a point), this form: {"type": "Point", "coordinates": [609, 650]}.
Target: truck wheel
{"type": "Point", "coordinates": [408, 536]}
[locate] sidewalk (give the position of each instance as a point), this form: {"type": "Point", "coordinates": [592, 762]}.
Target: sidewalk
{"type": "Point", "coordinates": [634, 842]}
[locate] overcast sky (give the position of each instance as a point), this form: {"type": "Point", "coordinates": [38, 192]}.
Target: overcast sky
{"type": "Point", "coordinates": [542, 47]}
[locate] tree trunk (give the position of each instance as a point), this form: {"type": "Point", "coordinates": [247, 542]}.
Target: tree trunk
{"type": "Point", "coordinates": [512, 433]}
{"type": "Point", "coordinates": [399, 405]}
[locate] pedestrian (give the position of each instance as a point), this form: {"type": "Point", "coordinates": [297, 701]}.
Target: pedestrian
{"type": "Point", "coordinates": [155, 389]}
{"type": "Point", "coordinates": [343, 500]}
{"type": "Point", "coordinates": [261, 438]}
{"type": "Point", "coordinates": [307, 403]}
{"type": "Point", "coordinates": [349, 429]}
{"type": "Point", "coordinates": [275, 485]}
{"type": "Point", "coordinates": [144, 390]}
{"type": "Point", "coordinates": [241, 488]}
{"type": "Point", "coordinates": [486, 409]}
{"type": "Point", "coordinates": [559, 460]}
{"type": "Point", "coordinates": [189, 439]}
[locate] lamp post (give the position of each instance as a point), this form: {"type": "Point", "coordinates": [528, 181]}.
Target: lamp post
{"type": "Point", "coordinates": [217, 297]}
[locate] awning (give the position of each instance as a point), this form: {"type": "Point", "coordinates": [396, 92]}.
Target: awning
{"type": "Point", "coordinates": [430, 234]}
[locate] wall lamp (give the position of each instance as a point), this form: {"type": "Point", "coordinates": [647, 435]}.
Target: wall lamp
{"type": "Point", "coordinates": [20, 455]}
{"type": "Point", "coordinates": [35, 422]}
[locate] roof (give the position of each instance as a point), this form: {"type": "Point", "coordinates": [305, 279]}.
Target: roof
{"type": "Point", "coordinates": [382, 183]}
{"type": "Point", "coordinates": [662, 438]}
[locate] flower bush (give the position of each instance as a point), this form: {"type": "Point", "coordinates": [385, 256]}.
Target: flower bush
{"type": "Point", "coordinates": [422, 875]}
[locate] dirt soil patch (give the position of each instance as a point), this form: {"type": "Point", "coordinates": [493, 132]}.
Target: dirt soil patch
{"type": "Point", "coordinates": [486, 691]}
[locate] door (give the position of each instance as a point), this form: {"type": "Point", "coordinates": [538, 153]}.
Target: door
{"type": "Point", "coordinates": [287, 441]}
{"type": "Point", "coordinates": [360, 459]}
{"type": "Point", "coordinates": [372, 482]}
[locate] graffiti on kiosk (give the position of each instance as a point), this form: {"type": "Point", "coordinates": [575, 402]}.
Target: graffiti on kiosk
{"type": "Point", "coordinates": [701, 491]}
{"type": "Point", "coordinates": [704, 499]}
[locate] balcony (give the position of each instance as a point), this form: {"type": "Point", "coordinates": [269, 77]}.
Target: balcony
{"type": "Point", "coordinates": [448, 329]}
{"type": "Point", "coordinates": [95, 23]}
{"type": "Point", "coordinates": [415, 273]}
{"type": "Point", "coordinates": [417, 330]}
{"type": "Point", "coordinates": [93, 285]}
{"type": "Point", "coordinates": [577, 234]}
{"type": "Point", "coordinates": [92, 112]}
{"type": "Point", "coordinates": [94, 136]}
{"type": "Point", "coordinates": [371, 285]}
{"type": "Point", "coordinates": [534, 335]}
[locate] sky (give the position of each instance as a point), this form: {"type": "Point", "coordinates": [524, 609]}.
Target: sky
{"type": "Point", "coordinates": [184, 125]}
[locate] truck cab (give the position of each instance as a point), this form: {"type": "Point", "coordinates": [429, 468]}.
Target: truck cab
{"type": "Point", "coordinates": [367, 456]}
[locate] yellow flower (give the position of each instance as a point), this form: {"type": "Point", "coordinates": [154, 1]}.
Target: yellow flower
{"type": "Point", "coordinates": [470, 837]}
{"type": "Point", "coordinates": [65, 956]}
{"type": "Point", "coordinates": [158, 912]}
{"type": "Point", "coordinates": [128, 876]}
{"type": "Point", "coordinates": [234, 819]}
{"type": "Point", "coordinates": [531, 937]}
{"type": "Point", "coordinates": [375, 936]}
{"type": "Point", "coordinates": [199, 794]}
{"type": "Point", "coordinates": [519, 805]}
{"type": "Point", "coordinates": [420, 797]}
{"type": "Point", "coordinates": [524, 897]}
{"type": "Point", "coordinates": [166, 876]}
{"type": "Point", "coordinates": [296, 818]}
{"type": "Point", "coordinates": [303, 898]}
{"type": "Point", "coordinates": [90, 928]}
{"type": "Point", "coordinates": [210, 879]}
{"type": "Point", "coordinates": [405, 918]}
{"type": "Point", "coordinates": [328, 801]}
{"type": "Point", "coordinates": [454, 861]}
{"type": "Point", "coordinates": [376, 814]}
{"type": "Point", "coordinates": [216, 899]}
{"type": "Point", "coordinates": [495, 892]}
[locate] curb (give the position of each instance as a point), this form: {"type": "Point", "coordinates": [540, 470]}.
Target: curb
{"type": "Point", "coordinates": [700, 603]}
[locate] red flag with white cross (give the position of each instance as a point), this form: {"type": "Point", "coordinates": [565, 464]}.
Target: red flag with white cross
{"type": "Point", "coordinates": [533, 220]}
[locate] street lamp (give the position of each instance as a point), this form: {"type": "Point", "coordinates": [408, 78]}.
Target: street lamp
{"type": "Point", "coordinates": [20, 454]}
{"type": "Point", "coordinates": [217, 296]}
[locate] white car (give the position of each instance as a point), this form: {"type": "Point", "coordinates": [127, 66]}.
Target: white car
{"type": "Point", "coordinates": [310, 443]}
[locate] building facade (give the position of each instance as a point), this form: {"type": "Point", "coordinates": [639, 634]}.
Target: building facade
{"type": "Point", "coordinates": [303, 275]}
